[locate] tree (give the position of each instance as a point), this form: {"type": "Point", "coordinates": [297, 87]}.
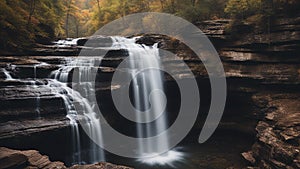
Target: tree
{"type": "Point", "coordinates": [31, 11]}
{"type": "Point", "coordinates": [68, 16]}
{"type": "Point", "coordinates": [162, 4]}
{"type": "Point", "coordinates": [243, 8]}
{"type": "Point", "coordinates": [99, 9]}
{"type": "Point", "coordinates": [26, 22]}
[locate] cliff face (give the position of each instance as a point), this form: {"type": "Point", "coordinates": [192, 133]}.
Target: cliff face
{"type": "Point", "coordinates": [272, 61]}
{"type": "Point", "coordinates": [277, 144]}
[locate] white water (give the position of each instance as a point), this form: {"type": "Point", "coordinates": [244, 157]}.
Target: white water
{"type": "Point", "coordinates": [142, 57]}
{"type": "Point", "coordinates": [143, 84]}
{"type": "Point", "coordinates": [38, 98]}
{"type": "Point", "coordinates": [32, 83]}
{"type": "Point", "coordinates": [83, 111]}
{"type": "Point", "coordinates": [66, 42]}
{"type": "Point", "coordinates": [7, 75]}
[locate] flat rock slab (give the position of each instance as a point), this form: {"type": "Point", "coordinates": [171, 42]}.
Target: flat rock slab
{"type": "Point", "coordinates": [25, 127]}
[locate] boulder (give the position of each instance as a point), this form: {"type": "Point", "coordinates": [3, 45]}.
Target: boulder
{"type": "Point", "coordinates": [11, 158]}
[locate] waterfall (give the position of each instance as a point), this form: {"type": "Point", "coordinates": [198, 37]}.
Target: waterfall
{"type": "Point", "coordinates": [38, 98]}
{"type": "Point", "coordinates": [33, 83]}
{"type": "Point", "coordinates": [7, 75]}
{"type": "Point", "coordinates": [34, 71]}
{"type": "Point", "coordinates": [84, 111]}
{"type": "Point", "coordinates": [143, 67]}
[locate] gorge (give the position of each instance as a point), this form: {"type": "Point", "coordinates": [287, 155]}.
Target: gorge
{"type": "Point", "coordinates": [260, 123]}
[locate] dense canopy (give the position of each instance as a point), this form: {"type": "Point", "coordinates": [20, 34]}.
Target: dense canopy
{"type": "Point", "coordinates": [26, 22]}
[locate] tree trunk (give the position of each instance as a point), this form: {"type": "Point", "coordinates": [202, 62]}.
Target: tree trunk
{"type": "Point", "coordinates": [31, 11]}
{"type": "Point", "coordinates": [98, 3]}
{"type": "Point", "coordinates": [193, 2]}
{"type": "Point", "coordinates": [162, 4]}
{"type": "Point", "coordinates": [123, 12]}
{"type": "Point", "coordinates": [173, 6]}
{"type": "Point", "coordinates": [77, 28]}
{"type": "Point", "coordinates": [123, 6]}
{"type": "Point", "coordinates": [67, 19]}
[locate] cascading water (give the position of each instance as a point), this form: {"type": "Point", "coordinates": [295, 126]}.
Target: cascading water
{"type": "Point", "coordinates": [7, 75]}
{"type": "Point", "coordinates": [145, 81]}
{"type": "Point", "coordinates": [84, 110]}
{"type": "Point", "coordinates": [144, 68]}
{"type": "Point", "coordinates": [38, 99]}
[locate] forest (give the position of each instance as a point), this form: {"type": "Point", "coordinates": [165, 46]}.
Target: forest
{"type": "Point", "coordinates": [27, 22]}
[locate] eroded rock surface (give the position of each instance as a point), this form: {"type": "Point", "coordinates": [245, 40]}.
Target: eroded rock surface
{"type": "Point", "coordinates": [267, 65]}
{"type": "Point", "coordinates": [278, 141]}
{"type": "Point", "coordinates": [26, 159]}
{"type": "Point", "coordinates": [32, 159]}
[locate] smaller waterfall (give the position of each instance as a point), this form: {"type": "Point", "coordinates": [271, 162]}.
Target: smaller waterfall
{"type": "Point", "coordinates": [34, 71]}
{"type": "Point", "coordinates": [66, 93]}
{"type": "Point", "coordinates": [37, 109]}
{"type": "Point", "coordinates": [84, 68]}
{"type": "Point", "coordinates": [7, 75]}
{"type": "Point", "coordinates": [38, 98]}
{"type": "Point", "coordinates": [34, 84]}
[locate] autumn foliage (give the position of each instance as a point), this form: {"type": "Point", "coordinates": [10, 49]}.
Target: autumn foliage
{"type": "Point", "coordinates": [27, 22]}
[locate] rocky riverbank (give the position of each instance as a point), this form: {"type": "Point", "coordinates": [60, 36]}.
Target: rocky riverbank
{"type": "Point", "coordinates": [32, 159]}
{"type": "Point", "coordinates": [277, 144]}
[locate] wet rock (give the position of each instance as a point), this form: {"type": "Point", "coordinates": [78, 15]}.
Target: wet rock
{"type": "Point", "coordinates": [51, 60]}
{"type": "Point", "coordinates": [164, 42]}
{"type": "Point", "coordinates": [95, 41]}
{"type": "Point", "coordinates": [121, 53]}
{"type": "Point", "coordinates": [24, 101]}
{"type": "Point", "coordinates": [35, 71]}
{"type": "Point", "coordinates": [54, 50]}
{"type": "Point", "coordinates": [82, 41]}
{"type": "Point", "coordinates": [249, 157]}
{"type": "Point", "coordinates": [25, 127]}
